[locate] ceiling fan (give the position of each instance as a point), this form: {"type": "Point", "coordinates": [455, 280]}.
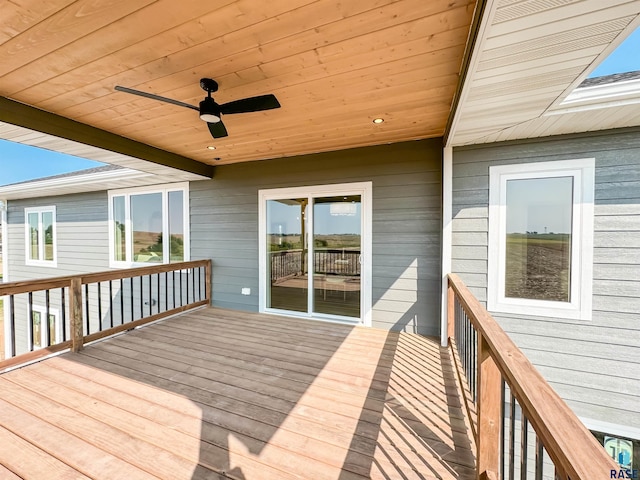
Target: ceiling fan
{"type": "Point", "coordinates": [209, 110]}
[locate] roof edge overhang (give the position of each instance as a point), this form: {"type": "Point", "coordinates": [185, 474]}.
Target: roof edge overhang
{"type": "Point", "coordinates": [26, 116]}
{"type": "Point", "coordinates": [478, 24]}
{"type": "Point", "coordinates": [77, 183]}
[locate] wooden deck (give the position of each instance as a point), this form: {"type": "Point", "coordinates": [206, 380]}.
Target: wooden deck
{"type": "Point", "coordinates": [223, 394]}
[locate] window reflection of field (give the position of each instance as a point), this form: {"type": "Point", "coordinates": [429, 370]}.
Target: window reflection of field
{"type": "Point", "coordinates": [538, 266]}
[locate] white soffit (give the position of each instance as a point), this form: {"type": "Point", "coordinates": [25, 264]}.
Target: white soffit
{"type": "Point", "coordinates": [161, 173]}
{"type": "Point", "coordinates": [532, 54]}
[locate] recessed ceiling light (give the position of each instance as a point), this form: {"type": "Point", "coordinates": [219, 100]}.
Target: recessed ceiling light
{"type": "Point", "coordinates": [211, 147]}
{"type": "Point", "coordinates": [378, 120]}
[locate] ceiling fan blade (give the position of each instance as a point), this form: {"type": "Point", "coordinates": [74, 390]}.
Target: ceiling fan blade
{"type": "Point", "coordinates": [217, 129]}
{"type": "Point", "coordinates": [155, 97]}
{"type": "Point", "coordinates": [252, 104]}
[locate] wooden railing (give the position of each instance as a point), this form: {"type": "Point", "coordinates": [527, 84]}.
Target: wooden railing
{"type": "Point", "coordinates": [78, 309]}
{"type": "Point", "coordinates": [491, 364]}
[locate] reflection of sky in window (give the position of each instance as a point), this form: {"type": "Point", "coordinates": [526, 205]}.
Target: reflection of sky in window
{"type": "Point", "coordinates": [176, 217]}
{"type": "Point", "coordinates": [326, 224]}
{"type": "Point", "coordinates": [146, 212]}
{"type": "Point", "coordinates": [540, 205]}
{"type": "Point", "coordinates": [282, 218]}
{"type": "Point", "coordinates": [285, 219]}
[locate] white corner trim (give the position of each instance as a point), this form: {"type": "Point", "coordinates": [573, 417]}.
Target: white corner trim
{"type": "Point", "coordinates": [5, 275]}
{"type": "Point", "coordinates": [447, 236]}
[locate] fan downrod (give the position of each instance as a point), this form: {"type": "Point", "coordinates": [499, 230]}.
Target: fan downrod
{"type": "Point", "coordinates": [209, 85]}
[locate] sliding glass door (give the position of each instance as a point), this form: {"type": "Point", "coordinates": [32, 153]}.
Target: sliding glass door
{"type": "Point", "coordinates": [312, 252]}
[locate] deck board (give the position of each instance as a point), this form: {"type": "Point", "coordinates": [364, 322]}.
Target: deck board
{"type": "Point", "coordinates": [224, 394]}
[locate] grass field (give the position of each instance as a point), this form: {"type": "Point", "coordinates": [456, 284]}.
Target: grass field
{"type": "Point", "coordinates": [538, 266]}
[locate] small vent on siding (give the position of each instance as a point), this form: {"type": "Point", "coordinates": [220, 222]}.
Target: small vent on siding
{"type": "Point", "coordinates": [512, 10]}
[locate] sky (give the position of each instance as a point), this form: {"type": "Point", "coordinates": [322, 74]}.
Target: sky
{"type": "Point", "coordinates": [625, 58]}
{"type": "Point", "coordinates": [21, 162]}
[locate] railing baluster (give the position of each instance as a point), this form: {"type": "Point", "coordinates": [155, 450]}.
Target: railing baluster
{"type": "Point", "coordinates": [173, 284]}
{"type": "Point", "coordinates": [524, 435]}
{"type": "Point", "coordinates": [503, 413]}
{"type": "Point", "coordinates": [158, 292]}
{"type": "Point", "coordinates": [512, 438]}
{"type": "Point", "coordinates": [47, 309]}
{"type": "Point", "coordinates": [30, 320]}
{"type": "Point", "coordinates": [141, 298]}
{"type": "Point", "coordinates": [110, 304]}
{"type": "Point", "coordinates": [86, 300]}
{"type": "Point", "coordinates": [181, 296]}
{"type": "Point", "coordinates": [12, 319]}
{"type": "Point", "coordinates": [64, 315]}
{"type": "Point", "coordinates": [100, 307]}
{"type": "Point", "coordinates": [539, 459]}
{"type": "Point", "coordinates": [130, 299]}
{"type": "Point", "coordinates": [166, 291]}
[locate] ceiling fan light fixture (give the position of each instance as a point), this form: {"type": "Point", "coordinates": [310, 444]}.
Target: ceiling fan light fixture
{"type": "Point", "coordinates": [209, 111]}
{"type": "Point", "coordinates": [209, 118]}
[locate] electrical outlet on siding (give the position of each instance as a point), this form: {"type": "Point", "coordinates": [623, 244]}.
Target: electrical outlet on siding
{"type": "Point", "coordinates": [246, 291]}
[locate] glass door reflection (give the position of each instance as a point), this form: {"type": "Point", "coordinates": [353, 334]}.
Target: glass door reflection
{"type": "Point", "coordinates": [337, 225]}
{"type": "Point", "coordinates": [287, 265]}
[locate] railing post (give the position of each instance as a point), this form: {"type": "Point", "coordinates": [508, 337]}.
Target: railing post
{"type": "Point", "coordinates": [489, 408]}
{"type": "Point", "coordinates": [208, 280]}
{"type": "Point", "coordinates": [451, 316]}
{"type": "Point", "coordinates": [75, 310]}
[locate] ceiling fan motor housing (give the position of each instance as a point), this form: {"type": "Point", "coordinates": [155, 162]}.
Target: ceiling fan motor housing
{"type": "Point", "coordinates": [209, 110]}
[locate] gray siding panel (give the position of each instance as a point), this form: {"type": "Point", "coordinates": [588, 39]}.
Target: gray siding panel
{"type": "Point", "coordinates": [589, 363]}
{"type": "Point", "coordinates": [406, 225]}
{"type": "Point", "coordinates": [81, 233]}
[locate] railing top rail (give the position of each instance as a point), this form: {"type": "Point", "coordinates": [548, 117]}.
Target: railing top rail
{"type": "Point", "coordinates": [13, 288]}
{"type": "Point", "coordinates": [570, 445]}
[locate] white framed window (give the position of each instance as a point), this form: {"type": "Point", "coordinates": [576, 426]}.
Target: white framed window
{"type": "Point", "coordinates": [541, 238]}
{"type": "Point", "coordinates": [40, 236]}
{"type": "Point", "coordinates": [142, 219]}
{"type": "Point", "coordinates": [41, 330]}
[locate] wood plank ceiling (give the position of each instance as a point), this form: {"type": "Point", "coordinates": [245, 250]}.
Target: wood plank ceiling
{"type": "Point", "coordinates": [334, 65]}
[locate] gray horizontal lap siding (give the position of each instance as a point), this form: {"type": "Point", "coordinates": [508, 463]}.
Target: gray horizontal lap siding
{"type": "Point", "coordinates": [81, 234]}
{"type": "Point", "coordinates": [406, 225]}
{"type": "Point", "coordinates": [592, 364]}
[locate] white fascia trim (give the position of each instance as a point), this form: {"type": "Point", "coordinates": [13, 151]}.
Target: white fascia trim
{"type": "Point", "coordinates": [599, 96]}
{"type": "Point", "coordinates": [611, 428]}
{"type": "Point", "coordinates": [485, 24]}
{"type": "Point", "coordinates": [447, 236]}
{"type": "Point", "coordinates": [49, 187]}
